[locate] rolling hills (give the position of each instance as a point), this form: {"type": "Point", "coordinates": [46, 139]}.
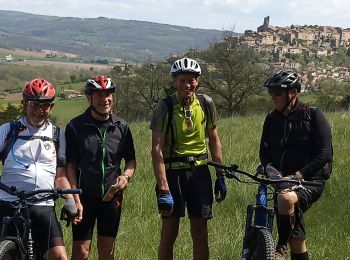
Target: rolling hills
{"type": "Point", "coordinates": [101, 37]}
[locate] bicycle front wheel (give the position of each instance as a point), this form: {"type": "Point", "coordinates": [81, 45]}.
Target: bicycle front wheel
{"type": "Point", "coordinates": [261, 246]}
{"type": "Point", "coordinates": [8, 250]}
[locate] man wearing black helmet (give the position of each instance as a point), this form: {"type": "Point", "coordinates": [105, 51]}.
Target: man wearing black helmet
{"type": "Point", "coordinates": [97, 141]}
{"type": "Point", "coordinates": [179, 127]}
{"type": "Point", "coordinates": [295, 142]}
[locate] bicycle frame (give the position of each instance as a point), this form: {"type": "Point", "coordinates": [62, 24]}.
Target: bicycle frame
{"type": "Point", "coordinates": [23, 237]}
{"type": "Point", "coordinates": [258, 242]}
{"type": "Point", "coordinates": [258, 216]}
{"type": "Point", "coordinates": [21, 221]}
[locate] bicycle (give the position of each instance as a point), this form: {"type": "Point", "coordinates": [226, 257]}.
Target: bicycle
{"type": "Point", "coordinates": [21, 245]}
{"type": "Point", "coordinates": [258, 243]}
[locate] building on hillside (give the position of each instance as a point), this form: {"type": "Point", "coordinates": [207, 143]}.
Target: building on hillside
{"type": "Point", "coordinates": [266, 27]}
{"type": "Point", "coordinates": [8, 58]}
{"type": "Point", "coordinates": [69, 93]}
{"type": "Point", "coordinates": [345, 37]}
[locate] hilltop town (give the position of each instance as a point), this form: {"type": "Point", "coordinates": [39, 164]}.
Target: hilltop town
{"type": "Point", "coordinates": [307, 41]}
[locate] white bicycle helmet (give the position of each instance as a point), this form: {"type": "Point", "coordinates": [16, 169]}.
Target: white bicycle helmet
{"type": "Point", "coordinates": [185, 65]}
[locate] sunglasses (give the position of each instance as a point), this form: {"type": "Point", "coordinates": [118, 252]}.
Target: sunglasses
{"type": "Point", "coordinates": [188, 118]}
{"type": "Point", "coordinates": [276, 92]}
{"type": "Point", "coordinates": [42, 105]}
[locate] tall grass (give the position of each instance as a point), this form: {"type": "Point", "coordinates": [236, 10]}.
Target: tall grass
{"type": "Point", "coordinates": [327, 221]}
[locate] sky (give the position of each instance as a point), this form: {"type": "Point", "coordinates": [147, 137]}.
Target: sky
{"type": "Point", "coordinates": [236, 15]}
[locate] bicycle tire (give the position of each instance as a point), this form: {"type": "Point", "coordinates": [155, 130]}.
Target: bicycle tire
{"type": "Point", "coordinates": [8, 248]}
{"type": "Point", "coordinates": [261, 245]}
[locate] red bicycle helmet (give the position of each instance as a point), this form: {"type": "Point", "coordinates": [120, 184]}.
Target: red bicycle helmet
{"type": "Point", "coordinates": [98, 83]}
{"type": "Point", "coordinates": [39, 90]}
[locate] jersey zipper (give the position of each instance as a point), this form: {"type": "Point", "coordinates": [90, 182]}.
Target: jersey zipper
{"type": "Point", "coordinates": [282, 141]}
{"type": "Point", "coordinates": [103, 170]}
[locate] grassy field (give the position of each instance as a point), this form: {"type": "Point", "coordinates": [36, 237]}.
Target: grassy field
{"type": "Point", "coordinates": [327, 222]}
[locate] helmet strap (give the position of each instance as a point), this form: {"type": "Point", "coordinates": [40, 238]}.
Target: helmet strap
{"type": "Point", "coordinates": [288, 107]}
{"type": "Point", "coordinates": [104, 115]}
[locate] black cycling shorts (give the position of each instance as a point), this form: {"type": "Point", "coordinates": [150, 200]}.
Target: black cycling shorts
{"type": "Point", "coordinates": [192, 190]}
{"type": "Point", "coordinates": [106, 214]}
{"type": "Point", "coordinates": [46, 229]}
{"type": "Point", "coordinates": [306, 198]}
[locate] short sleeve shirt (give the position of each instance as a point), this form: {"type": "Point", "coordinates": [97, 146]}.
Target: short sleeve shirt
{"type": "Point", "coordinates": [188, 141]}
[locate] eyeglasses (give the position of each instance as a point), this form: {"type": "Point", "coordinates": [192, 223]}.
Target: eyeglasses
{"type": "Point", "coordinates": [42, 105]}
{"type": "Point", "coordinates": [276, 92]}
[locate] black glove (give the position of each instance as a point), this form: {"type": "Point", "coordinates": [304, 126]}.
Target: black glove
{"type": "Point", "coordinates": [287, 185]}
{"type": "Point", "coordinates": [272, 172]}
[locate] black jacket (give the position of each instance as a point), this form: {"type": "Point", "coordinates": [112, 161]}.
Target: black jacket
{"type": "Point", "coordinates": [301, 141]}
{"type": "Point", "coordinates": [98, 153]}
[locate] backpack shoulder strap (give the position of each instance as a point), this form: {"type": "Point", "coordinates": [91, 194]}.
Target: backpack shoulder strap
{"type": "Point", "coordinates": [170, 110]}
{"type": "Point", "coordinates": [56, 136]}
{"type": "Point", "coordinates": [10, 139]}
{"type": "Point", "coordinates": [203, 101]}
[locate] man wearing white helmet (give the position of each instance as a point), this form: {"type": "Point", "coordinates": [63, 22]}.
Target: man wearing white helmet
{"type": "Point", "coordinates": [180, 124]}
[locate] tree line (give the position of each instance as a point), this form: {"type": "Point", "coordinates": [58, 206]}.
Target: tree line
{"type": "Point", "coordinates": [233, 75]}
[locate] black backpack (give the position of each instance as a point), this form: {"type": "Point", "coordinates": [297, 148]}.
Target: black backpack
{"type": "Point", "coordinates": [12, 136]}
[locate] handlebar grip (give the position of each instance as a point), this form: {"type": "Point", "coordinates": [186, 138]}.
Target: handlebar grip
{"type": "Point", "coordinates": [218, 165]}
{"type": "Point", "coordinates": [312, 183]}
{"type": "Point", "coordinates": [70, 191]}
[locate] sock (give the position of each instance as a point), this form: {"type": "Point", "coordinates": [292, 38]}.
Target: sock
{"type": "Point", "coordinates": [302, 256]}
{"type": "Point", "coordinates": [285, 226]}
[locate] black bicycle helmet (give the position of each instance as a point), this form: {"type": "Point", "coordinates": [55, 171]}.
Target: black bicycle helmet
{"type": "Point", "coordinates": [285, 79]}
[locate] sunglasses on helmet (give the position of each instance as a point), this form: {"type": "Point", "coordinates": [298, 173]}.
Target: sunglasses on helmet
{"type": "Point", "coordinates": [42, 105]}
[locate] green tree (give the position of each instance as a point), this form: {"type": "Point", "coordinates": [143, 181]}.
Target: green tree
{"type": "Point", "coordinates": [138, 94]}
{"type": "Point", "coordinates": [11, 112]}
{"type": "Point", "coordinates": [232, 75]}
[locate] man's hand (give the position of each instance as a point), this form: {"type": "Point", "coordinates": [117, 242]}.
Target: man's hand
{"type": "Point", "coordinates": [272, 172]}
{"type": "Point", "coordinates": [165, 203]}
{"type": "Point", "coordinates": [220, 189]}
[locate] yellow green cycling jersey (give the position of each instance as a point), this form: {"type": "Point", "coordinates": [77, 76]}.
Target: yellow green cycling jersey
{"type": "Point", "coordinates": [189, 137]}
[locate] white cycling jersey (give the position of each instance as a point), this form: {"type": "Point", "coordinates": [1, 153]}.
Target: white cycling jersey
{"type": "Point", "coordinates": [31, 164]}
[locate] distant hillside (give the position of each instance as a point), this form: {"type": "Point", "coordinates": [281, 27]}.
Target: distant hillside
{"type": "Point", "coordinates": [100, 37]}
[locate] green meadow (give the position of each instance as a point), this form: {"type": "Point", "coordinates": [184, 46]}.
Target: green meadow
{"type": "Point", "coordinates": [328, 221]}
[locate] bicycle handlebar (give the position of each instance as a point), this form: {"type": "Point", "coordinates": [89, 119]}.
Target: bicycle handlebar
{"type": "Point", "coordinates": [21, 194]}
{"type": "Point", "coordinates": [231, 171]}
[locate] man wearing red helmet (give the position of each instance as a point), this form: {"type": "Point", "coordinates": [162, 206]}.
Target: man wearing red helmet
{"type": "Point", "coordinates": [97, 141]}
{"type": "Point", "coordinates": [36, 161]}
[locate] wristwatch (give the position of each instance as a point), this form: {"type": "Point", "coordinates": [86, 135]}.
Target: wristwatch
{"type": "Point", "coordinates": [126, 176]}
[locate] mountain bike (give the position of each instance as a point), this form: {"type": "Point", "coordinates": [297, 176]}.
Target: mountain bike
{"type": "Point", "coordinates": [258, 243]}
{"type": "Point", "coordinates": [21, 245]}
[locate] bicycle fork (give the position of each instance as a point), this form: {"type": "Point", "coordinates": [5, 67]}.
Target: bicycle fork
{"type": "Point", "coordinates": [262, 216]}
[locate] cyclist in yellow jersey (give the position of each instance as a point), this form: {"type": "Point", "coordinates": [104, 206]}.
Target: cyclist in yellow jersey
{"type": "Point", "coordinates": [180, 124]}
